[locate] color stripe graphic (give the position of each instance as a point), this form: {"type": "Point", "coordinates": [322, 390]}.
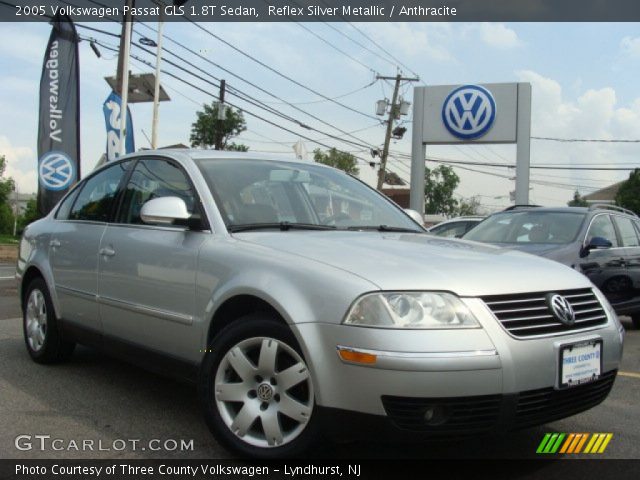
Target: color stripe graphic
{"type": "Point", "coordinates": [573, 443]}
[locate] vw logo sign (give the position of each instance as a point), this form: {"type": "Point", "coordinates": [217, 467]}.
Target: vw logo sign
{"type": "Point", "coordinates": [561, 308]}
{"type": "Point", "coordinates": [56, 171]}
{"type": "Point", "coordinates": [469, 111]}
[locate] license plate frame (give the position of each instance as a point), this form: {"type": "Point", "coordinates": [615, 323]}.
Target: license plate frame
{"type": "Point", "coordinates": [567, 370]}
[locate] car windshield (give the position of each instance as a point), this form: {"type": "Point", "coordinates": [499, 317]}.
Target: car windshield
{"type": "Point", "coordinates": [258, 194]}
{"type": "Point", "coordinates": [528, 227]}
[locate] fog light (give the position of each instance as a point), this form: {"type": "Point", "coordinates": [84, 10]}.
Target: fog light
{"type": "Point", "coordinates": [435, 415]}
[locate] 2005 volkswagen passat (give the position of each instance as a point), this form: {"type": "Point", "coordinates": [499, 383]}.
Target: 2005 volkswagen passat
{"type": "Point", "coordinates": [294, 294]}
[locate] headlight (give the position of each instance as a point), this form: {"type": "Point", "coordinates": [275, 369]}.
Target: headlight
{"type": "Point", "coordinates": [411, 310]}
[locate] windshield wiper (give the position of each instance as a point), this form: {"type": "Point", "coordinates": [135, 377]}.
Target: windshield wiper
{"type": "Point", "coordinates": [384, 228]}
{"type": "Point", "coordinates": [284, 226]}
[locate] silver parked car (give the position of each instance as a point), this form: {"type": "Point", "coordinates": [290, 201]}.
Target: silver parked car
{"type": "Point", "coordinates": [456, 227]}
{"type": "Point", "coordinates": [298, 298]}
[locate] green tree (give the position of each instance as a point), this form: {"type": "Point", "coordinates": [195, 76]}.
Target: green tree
{"type": "Point", "coordinates": [439, 185]}
{"type": "Point", "coordinates": [29, 215]}
{"type": "Point", "coordinates": [628, 195]}
{"type": "Point", "coordinates": [337, 159]}
{"type": "Point", "coordinates": [578, 200]}
{"type": "Point", "coordinates": [7, 185]}
{"type": "Point", "coordinates": [470, 206]}
{"type": "Point", "coordinates": [207, 129]}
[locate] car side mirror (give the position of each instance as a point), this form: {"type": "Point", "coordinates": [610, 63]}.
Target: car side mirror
{"type": "Point", "coordinates": [596, 243]}
{"type": "Point", "coordinates": [415, 216]}
{"type": "Point", "coordinates": [164, 211]}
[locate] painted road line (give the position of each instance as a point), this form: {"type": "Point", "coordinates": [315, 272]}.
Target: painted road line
{"type": "Point", "coordinates": [8, 278]}
{"type": "Point", "coordinates": [629, 374]}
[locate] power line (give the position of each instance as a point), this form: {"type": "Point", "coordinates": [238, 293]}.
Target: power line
{"type": "Point", "coordinates": [324, 40]}
{"type": "Point", "coordinates": [395, 64]}
{"type": "Point", "coordinates": [277, 72]}
{"type": "Point", "coordinates": [538, 167]}
{"type": "Point", "coordinates": [361, 141]}
{"type": "Point", "coordinates": [247, 98]}
{"type": "Point", "coordinates": [248, 112]}
{"type": "Point", "coordinates": [587, 140]}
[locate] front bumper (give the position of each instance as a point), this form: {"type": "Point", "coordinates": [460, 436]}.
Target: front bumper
{"type": "Point", "coordinates": [465, 416]}
{"type": "Point", "coordinates": [483, 376]}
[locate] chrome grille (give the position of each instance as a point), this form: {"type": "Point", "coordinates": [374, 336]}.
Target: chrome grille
{"type": "Point", "coordinates": [527, 314]}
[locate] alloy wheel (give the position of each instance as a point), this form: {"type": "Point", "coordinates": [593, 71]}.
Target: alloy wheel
{"type": "Point", "coordinates": [263, 392]}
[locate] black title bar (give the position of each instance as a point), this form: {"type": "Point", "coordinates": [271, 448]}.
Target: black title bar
{"type": "Point", "coordinates": [329, 10]}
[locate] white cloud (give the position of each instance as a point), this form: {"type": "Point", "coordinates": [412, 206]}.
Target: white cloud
{"type": "Point", "coordinates": [630, 46]}
{"type": "Point", "coordinates": [21, 165]}
{"type": "Point", "coordinates": [499, 36]}
{"type": "Point", "coordinates": [424, 40]}
{"type": "Point", "coordinates": [595, 114]}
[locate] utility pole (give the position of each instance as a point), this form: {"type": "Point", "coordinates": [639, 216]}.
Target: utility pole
{"type": "Point", "coordinates": [394, 112]}
{"type": "Point", "coordinates": [16, 210]}
{"type": "Point", "coordinates": [221, 115]}
{"type": "Point", "coordinates": [156, 91]}
{"type": "Point", "coordinates": [122, 75]}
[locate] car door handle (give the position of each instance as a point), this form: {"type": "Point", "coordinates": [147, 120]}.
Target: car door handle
{"type": "Point", "coordinates": [54, 243]}
{"type": "Point", "coordinates": [107, 252]}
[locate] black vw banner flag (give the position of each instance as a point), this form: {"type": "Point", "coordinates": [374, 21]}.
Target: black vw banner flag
{"type": "Point", "coordinates": [58, 125]}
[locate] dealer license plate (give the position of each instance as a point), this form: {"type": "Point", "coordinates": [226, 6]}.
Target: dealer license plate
{"type": "Point", "coordinates": [580, 363]}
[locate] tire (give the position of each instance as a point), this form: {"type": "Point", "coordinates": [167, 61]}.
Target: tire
{"type": "Point", "coordinates": [257, 392]}
{"type": "Point", "coordinates": [40, 327]}
{"type": "Point", "coordinates": [635, 319]}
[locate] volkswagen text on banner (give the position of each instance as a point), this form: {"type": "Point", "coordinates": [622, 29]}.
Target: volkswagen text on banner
{"type": "Point", "coordinates": [111, 109]}
{"type": "Point", "coordinates": [58, 125]}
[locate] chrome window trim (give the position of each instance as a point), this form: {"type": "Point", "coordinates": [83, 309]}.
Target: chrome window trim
{"type": "Point", "coordinates": [586, 233]}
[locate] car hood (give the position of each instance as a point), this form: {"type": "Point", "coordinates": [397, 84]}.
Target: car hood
{"type": "Point", "coordinates": [399, 261]}
{"type": "Point", "coordinates": [566, 253]}
{"type": "Point", "coordinates": [541, 249]}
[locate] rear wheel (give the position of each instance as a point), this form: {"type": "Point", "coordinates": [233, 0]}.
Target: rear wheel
{"type": "Point", "coordinates": [635, 318]}
{"type": "Point", "coordinates": [42, 337]}
{"type": "Point", "coordinates": [257, 391]}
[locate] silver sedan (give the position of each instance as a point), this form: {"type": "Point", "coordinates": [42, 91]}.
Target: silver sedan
{"type": "Point", "coordinates": [299, 299]}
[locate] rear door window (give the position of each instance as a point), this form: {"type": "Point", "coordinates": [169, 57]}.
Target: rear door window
{"type": "Point", "coordinates": [628, 234]}
{"type": "Point", "coordinates": [96, 199]}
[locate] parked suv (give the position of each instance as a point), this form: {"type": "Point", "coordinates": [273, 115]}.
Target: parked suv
{"type": "Point", "coordinates": [602, 241]}
{"type": "Point", "coordinates": [299, 298]}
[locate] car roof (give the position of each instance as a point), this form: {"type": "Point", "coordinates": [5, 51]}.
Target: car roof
{"type": "Point", "coordinates": [185, 154]}
{"type": "Point", "coordinates": [595, 208]}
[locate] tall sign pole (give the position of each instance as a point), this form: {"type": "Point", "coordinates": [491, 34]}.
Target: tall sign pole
{"type": "Point", "coordinates": [122, 76]}
{"type": "Point", "coordinates": [523, 148]}
{"type": "Point", "coordinates": [156, 91]}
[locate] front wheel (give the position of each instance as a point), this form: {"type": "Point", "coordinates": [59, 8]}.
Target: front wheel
{"type": "Point", "coordinates": [257, 391]}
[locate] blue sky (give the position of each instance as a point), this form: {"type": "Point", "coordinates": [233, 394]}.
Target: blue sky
{"type": "Point", "coordinates": [584, 78]}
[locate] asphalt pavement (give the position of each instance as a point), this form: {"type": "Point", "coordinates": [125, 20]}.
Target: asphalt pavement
{"type": "Point", "coordinates": [128, 412]}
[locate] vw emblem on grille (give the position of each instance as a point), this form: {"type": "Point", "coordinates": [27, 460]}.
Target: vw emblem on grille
{"type": "Point", "coordinates": [561, 308]}
{"type": "Point", "coordinates": [56, 171]}
{"type": "Point", "coordinates": [469, 111]}
{"type": "Point", "coordinates": [265, 392]}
